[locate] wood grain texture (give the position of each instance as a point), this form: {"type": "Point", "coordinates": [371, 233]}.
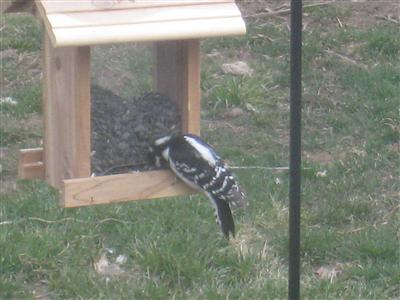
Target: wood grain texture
{"type": "Point", "coordinates": [31, 155]}
{"type": "Point", "coordinates": [166, 69]}
{"type": "Point", "coordinates": [177, 75]}
{"type": "Point", "coordinates": [30, 164]}
{"type": "Point", "coordinates": [138, 21]}
{"type": "Point", "coordinates": [66, 95]}
{"type": "Point", "coordinates": [143, 15]}
{"type": "Point", "coordinates": [121, 188]}
{"type": "Point", "coordinates": [190, 98]}
{"type": "Point", "coordinates": [32, 171]}
{"type": "Point", "coordinates": [187, 29]}
{"type": "Point", "coordinates": [65, 6]}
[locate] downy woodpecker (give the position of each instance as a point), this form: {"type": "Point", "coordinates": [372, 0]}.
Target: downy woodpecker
{"type": "Point", "coordinates": [196, 163]}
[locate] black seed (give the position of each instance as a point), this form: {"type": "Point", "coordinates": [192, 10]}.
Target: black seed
{"type": "Point", "coordinates": [123, 129]}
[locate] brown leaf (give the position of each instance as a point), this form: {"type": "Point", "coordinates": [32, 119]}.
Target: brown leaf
{"type": "Point", "coordinates": [330, 272]}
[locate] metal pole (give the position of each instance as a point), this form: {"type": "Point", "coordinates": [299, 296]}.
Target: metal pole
{"type": "Point", "coordinates": [295, 149]}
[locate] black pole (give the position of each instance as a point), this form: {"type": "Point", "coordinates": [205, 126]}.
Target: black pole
{"type": "Point", "coordinates": [295, 149]}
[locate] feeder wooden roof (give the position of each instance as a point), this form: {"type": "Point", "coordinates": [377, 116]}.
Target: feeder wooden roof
{"type": "Point", "coordinates": [92, 22]}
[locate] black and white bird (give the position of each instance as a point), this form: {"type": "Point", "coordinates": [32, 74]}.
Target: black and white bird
{"type": "Point", "coordinates": [196, 163]}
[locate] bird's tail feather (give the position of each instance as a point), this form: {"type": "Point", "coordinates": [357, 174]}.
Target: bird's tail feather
{"type": "Point", "coordinates": [224, 216]}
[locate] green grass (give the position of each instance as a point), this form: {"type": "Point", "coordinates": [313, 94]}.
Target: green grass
{"type": "Point", "coordinates": [20, 33]}
{"type": "Point", "coordinates": [133, 75]}
{"type": "Point", "coordinates": [27, 101]}
{"type": "Point", "coordinates": [174, 250]}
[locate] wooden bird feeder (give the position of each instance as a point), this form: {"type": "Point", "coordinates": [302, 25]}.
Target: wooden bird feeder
{"type": "Point", "coordinates": [71, 27]}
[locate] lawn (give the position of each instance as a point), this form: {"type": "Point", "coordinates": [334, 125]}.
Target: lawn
{"type": "Point", "coordinates": [172, 248]}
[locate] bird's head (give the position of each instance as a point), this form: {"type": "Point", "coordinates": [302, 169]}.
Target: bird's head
{"type": "Point", "coordinates": [159, 151]}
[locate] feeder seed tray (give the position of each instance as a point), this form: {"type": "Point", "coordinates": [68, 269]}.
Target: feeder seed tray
{"type": "Point", "coordinates": [124, 129]}
{"type": "Point", "coordinates": [71, 27]}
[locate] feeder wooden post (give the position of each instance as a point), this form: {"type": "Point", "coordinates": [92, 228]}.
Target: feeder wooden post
{"type": "Point", "coordinates": [31, 164]}
{"type": "Point", "coordinates": [177, 74]}
{"type": "Point", "coordinates": [66, 107]}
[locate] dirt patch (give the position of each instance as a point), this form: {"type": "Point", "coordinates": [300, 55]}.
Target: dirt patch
{"type": "Point", "coordinates": [214, 125]}
{"type": "Point", "coordinates": [321, 157]}
{"type": "Point", "coordinates": [364, 13]}
{"type": "Point", "coordinates": [324, 157]}
{"type": "Point", "coordinates": [252, 7]}
{"type": "Point", "coordinates": [20, 69]}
